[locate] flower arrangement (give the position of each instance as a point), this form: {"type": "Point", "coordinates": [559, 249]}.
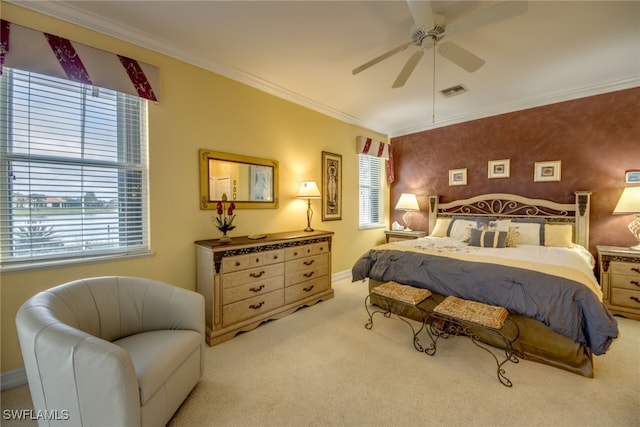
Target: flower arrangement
{"type": "Point", "coordinates": [224, 220]}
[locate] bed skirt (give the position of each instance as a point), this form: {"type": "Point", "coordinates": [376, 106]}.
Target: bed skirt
{"type": "Point", "coordinates": [537, 342]}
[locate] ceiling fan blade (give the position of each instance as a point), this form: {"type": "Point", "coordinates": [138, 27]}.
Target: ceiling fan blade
{"type": "Point", "coordinates": [408, 69]}
{"type": "Point", "coordinates": [380, 58]}
{"type": "Point", "coordinates": [421, 13]}
{"type": "Point", "coordinates": [489, 15]}
{"type": "Point", "coordinates": [460, 56]}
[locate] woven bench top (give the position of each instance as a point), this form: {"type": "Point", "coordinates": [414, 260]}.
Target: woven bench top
{"type": "Point", "coordinates": [472, 311]}
{"type": "Point", "coordinates": [403, 293]}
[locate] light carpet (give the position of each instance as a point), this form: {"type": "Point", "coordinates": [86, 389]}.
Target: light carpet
{"type": "Point", "coordinates": [321, 367]}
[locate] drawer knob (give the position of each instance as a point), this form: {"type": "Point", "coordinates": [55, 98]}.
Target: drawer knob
{"type": "Point", "coordinates": [308, 288]}
{"type": "Point", "coordinates": [256, 275]}
{"type": "Point", "coordinates": [256, 306]}
{"type": "Point", "coordinates": [309, 262]}
{"type": "Point", "coordinates": [309, 274]}
{"type": "Point", "coordinates": [257, 259]}
{"type": "Point", "coordinates": [237, 263]}
{"type": "Point", "coordinates": [258, 289]}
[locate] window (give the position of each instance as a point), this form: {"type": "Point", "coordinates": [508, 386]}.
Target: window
{"type": "Point", "coordinates": [73, 171]}
{"type": "Point", "coordinates": [371, 204]}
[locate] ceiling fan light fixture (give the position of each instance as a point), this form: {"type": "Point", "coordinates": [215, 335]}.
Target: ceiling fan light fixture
{"type": "Point", "coordinates": [454, 90]}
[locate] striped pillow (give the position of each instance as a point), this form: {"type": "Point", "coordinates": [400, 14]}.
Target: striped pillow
{"type": "Point", "coordinates": [488, 239]}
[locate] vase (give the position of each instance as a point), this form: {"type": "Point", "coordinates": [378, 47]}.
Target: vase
{"type": "Point", "coordinates": [224, 238]}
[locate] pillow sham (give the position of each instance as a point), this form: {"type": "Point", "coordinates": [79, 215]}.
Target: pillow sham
{"type": "Point", "coordinates": [559, 235]}
{"type": "Point", "coordinates": [460, 225]}
{"type": "Point", "coordinates": [531, 230]}
{"type": "Point", "coordinates": [488, 239]}
{"type": "Point", "coordinates": [461, 229]}
{"type": "Point", "coordinates": [441, 227]}
{"type": "Point", "coordinates": [512, 238]}
{"type": "Point", "coordinates": [500, 225]}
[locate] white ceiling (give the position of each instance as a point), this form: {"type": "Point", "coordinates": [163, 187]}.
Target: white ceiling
{"type": "Point", "coordinates": [304, 51]}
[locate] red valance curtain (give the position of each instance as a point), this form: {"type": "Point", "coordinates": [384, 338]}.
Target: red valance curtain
{"type": "Point", "coordinates": [375, 148]}
{"type": "Point", "coordinates": [43, 53]}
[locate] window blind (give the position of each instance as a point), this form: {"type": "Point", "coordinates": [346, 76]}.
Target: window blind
{"type": "Point", "coordinates": [370, 202]}
{"type": "Point", "coordinates": [73, 170]}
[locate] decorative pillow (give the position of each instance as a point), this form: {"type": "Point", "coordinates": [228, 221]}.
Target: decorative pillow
{"type": "Point", "coordinates": [488, 239]}
{"type": "Point", "coordinates": [461, 229]}
{"type": "Point", "coordinates": [531, 230]}
{"type": "Point", "coordinates": [558, 235]}
{"type": "Point", "coordinates": [441, 227]}
{"type": "Point", "coordinates": [512, 238]}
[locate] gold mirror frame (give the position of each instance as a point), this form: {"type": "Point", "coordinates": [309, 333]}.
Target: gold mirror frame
{"type": "Point", "coordinates": [255, 164]}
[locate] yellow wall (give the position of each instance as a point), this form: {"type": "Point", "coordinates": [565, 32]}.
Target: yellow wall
{"type": "Point", "coordinates": [200, 109]}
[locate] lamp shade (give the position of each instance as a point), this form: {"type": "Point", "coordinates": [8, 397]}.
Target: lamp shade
{"type": "Point", "coordinates": [629, 202]}
{"type": "Point", "coordinates": [309, 190]}
{"type": "Point", "coordinates": [407, 202]}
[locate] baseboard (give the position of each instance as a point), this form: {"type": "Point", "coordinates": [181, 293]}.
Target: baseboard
{"type": "Point", "coordinates": [346, 274]}
{"type": "Point", "coordinates": [12, 379]}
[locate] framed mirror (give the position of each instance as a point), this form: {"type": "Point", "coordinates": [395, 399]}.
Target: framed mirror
{"type": "Point", "coordinates": [249, 182]}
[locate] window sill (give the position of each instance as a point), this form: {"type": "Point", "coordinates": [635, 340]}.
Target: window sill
{"type": "Point", "coordinates": [43, 264]}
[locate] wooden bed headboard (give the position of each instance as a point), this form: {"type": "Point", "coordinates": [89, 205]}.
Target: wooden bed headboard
{"type": "Point", "coordinates": [502, 205]}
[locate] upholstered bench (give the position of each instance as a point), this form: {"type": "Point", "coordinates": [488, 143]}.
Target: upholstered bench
{"type": "Point", "coordinates": [394, 294]}
{"type": "Point", "coordinates": [456, 316]}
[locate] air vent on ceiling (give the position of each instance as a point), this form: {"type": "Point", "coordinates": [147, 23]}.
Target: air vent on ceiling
{"type": "Point", "coordinates": [454, 90]}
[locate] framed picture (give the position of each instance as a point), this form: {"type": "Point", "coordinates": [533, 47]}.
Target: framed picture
{"type": "Point", "coordinates": [499, 168]}
{"type": "Point", "coordinates": [331, 186]}
{"type": "Point", "coordinates": [260, 189]}
{"type": "Point", "coordinates": [458, 176]}
{"type": "Point", "coordinates": [547, 171]}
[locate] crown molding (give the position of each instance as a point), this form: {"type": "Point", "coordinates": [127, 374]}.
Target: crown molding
{"type": "Point", "coordinates": [69, 13]}
{"type": "Point", "coordinates": [74, 15]}
{"type": "Point", "coordinates": [548, 99]}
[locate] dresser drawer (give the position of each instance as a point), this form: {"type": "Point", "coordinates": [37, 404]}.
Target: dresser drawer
{"type": "Point", "coordinates": [625, 268]}
{"type": "Point", "coordinates": [242, 262]}
{"type": "Point", "coordinates": [252, 275]}
{"type": "Point", "coordinates": [252, 289]}
{"type": "Point", "coordinates": [305, 289]}
{"type": "Point", "coordinates": [306, 250]}
{"type": "Point", "coordinates": [626, 298]}
{"type": "Point", "coordinates": [308, 274]}
{"type": "Point", "coordinates": [306, 263]}
{"type": "Point", "coordinates": [625, 282]}
{"type": "Point", "coordinates": [251, 307]}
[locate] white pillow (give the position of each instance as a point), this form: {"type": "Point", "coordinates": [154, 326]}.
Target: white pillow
{"type": "Point", "coordinates": [529, 233]}
{"type": "Point", "coordinates": [441, 227]}
{"type": "Point", "coordinates": [500, 225]}
{"type": "Point", "coordinates": [461, 229]}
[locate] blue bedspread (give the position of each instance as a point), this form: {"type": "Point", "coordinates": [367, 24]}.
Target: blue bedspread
{"type": "Point", "coordinates": [566, 306]}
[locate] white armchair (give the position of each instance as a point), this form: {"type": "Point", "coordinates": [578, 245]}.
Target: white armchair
{"type": "Point", "coordinates": [113, 350]}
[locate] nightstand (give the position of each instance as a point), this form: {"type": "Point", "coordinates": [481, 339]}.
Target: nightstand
{"type": "Point", "coordinates": [620, 280]}
{"type": "Point", "coordinates": [396, 235]}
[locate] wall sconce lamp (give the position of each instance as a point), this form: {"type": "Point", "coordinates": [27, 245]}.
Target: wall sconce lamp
{"type": "Point", "coordinates": [629, 203]}
{"type": "Point", "coordinates": [309, 190]}
{"type": "Point", "coordinates": [408, 203]}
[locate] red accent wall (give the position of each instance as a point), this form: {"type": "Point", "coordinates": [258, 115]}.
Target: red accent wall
{"type": "Point", "coordinates": [597, 139]}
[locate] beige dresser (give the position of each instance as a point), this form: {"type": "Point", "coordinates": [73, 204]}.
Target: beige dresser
{"type": "Point", "coordinates": [246, 282]}
{"type": "Point", "coordinates": [620, 280]}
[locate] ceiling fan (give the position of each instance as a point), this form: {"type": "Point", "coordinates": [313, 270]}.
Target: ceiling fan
{"type": "Point", "coordinates": [429, 29]}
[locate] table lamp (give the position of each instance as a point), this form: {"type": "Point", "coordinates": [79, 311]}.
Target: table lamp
{"type": "Point", "coordinates": [309, 190]}
{"type": "Point", "coordinates": [629, 203]}
{"type": "Point", "coordinates": [408, 203]}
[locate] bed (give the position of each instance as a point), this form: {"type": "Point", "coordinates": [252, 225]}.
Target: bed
{"type": "Point", "coordinates": [527, 255]}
